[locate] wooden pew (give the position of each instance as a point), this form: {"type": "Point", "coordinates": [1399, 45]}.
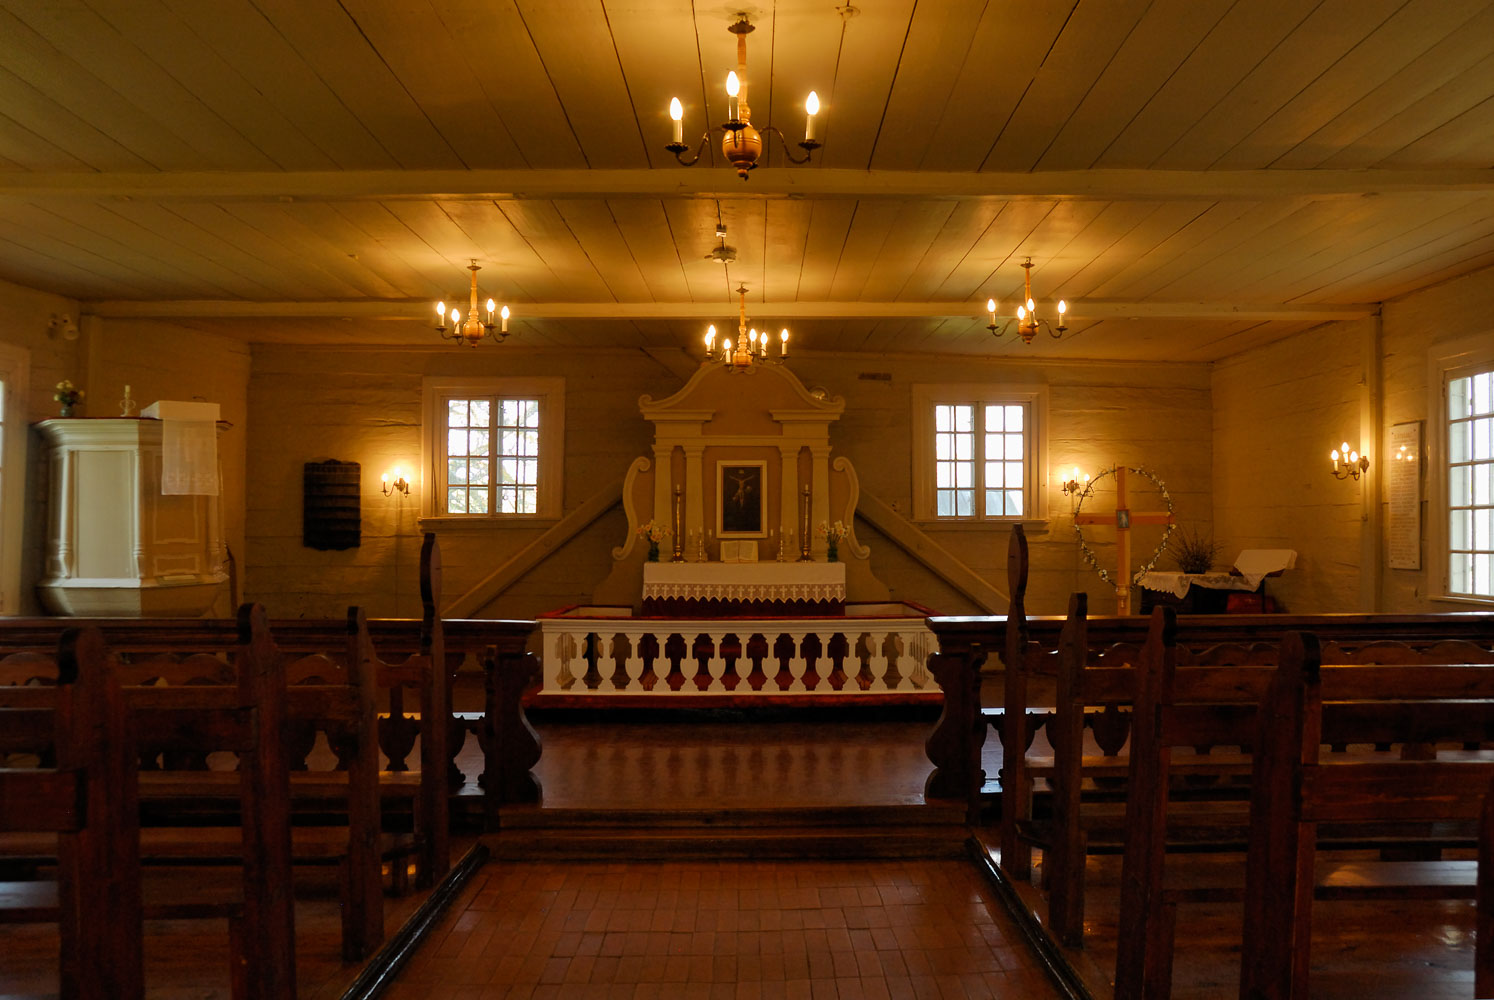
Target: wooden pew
{"type": "Point", "coordinates": [88, 802]}
{"type": "Point", "coordinates": [1179, 706]}
{"type": "Point", "coordinates": [1295, 793]}
{"type": "Point", "coordinates": [337, 694]}
{"type": "Point", "coordinates": [247, 719]}
{"type": "Point", "coordinates": [1030, 656]}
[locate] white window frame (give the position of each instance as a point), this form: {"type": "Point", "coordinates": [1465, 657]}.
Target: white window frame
{"type": "Point", "coordinates": [15, 372]}
{"type": "Point", "coordinates": [1033, 397]}
{"type": "Point", "coordinates": [1454, 359]}
{"type": "Point", "coordinates": [436, 390]}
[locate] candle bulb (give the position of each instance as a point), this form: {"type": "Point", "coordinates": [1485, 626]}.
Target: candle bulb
{"type": "Point", "coordinates": [811, 108]}
{"type": "Point", "coordinates": [710, 338]}
{"type": "Point", "coordinates": [783, 344]}
{"type": "Point", "coordinates": [441, 315]}
{"type": "Point", "coordinates": [491, 307]}
{"type": "Point", "coordinates": [677, 113]}
{"type": "Point", "coordinates": [504, 315]}
{"type": "Point", "coordinates": [732, 86]}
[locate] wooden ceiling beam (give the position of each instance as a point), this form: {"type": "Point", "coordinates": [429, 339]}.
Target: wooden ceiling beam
{"type": "Point", "coordinates": [721, 312]}
{"type": "Point", "coordinates": [769, 183]}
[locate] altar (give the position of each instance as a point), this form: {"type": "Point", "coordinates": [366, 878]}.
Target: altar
{"type": "Point", "coordinates": [717, 590]}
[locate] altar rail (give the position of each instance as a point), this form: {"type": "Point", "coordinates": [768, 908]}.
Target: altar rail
{"type": "Point", "coordinates": [589, 652]}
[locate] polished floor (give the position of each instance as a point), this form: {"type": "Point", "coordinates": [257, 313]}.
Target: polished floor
{"type": "Point", "coordinates": [879, 930]}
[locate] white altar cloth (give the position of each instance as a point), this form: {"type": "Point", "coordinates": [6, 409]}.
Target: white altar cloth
{"type": "Point", "coordinates": [766, 581]}
{"type": "Point", "coordinates": [1252, 566]}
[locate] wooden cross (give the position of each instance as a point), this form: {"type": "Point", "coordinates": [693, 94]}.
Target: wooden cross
{"type": "Point", "coordinates": [1122, 520]}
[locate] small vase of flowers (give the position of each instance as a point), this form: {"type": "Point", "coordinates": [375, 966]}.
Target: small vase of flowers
{"type": "Point", "coordinates": [68, 395]}
{"type": "Point", "coordinates": [653, 532]}
{"type": "Point", "coordinates": [832, 534]}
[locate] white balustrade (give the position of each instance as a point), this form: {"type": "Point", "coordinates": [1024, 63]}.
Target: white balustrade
{"type": "Point", "coordinates": [578, 647]}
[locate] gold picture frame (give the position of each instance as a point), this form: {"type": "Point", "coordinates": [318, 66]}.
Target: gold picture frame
{"type": "Point", "coordinates": [742, 499]}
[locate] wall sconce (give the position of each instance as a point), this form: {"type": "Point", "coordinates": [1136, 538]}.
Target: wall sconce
{"type": "Point", "coordinates": [62, 324]}
{"type": "Point", "coordinates": [1348, 464]}
{"type": "Point", "coordinates": [1074, 485]}
{"type": "Point", "coordinates": [397, 485]}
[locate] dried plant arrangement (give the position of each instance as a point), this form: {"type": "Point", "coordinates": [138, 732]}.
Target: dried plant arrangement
{"type": "Point", "coordinates": [1193, 551]}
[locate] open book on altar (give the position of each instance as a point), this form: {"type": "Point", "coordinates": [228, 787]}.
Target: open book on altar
{"type": "Point", "coordinates": [738, 552]}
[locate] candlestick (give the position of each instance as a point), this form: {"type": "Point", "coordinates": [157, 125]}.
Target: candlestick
{"type": "Point", "coordinates": [679, 525]}
{"type": "Point", "coordinates": [804, 525]}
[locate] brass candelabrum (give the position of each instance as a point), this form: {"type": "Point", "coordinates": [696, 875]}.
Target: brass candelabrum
{"type": "Point", "coordinates": [679, 527]}
{"type": "Point", "coordinates": [804, 525]}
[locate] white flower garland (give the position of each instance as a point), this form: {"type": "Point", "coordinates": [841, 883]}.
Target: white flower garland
{"type": "Point", "coordinates": [1161, 546]}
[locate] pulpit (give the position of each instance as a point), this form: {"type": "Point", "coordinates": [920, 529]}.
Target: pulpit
{"type": "Point", "coordinates": [729, 590]}
{"type": "Point", "coordinates": [118, 546]}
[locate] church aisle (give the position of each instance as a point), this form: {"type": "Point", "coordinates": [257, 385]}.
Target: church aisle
{"type": "Point", "coordinates": [730, 930]}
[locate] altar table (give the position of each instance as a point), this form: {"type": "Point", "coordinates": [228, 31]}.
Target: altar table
{"type": "Point", "coordinates": [712, 589]}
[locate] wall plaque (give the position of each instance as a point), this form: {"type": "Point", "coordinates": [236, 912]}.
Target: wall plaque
{"type": "Point", "coordinates": [1404, 478]}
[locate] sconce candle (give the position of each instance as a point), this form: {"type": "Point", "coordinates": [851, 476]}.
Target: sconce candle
{"type": "Point", "coordinates": [1348, 464]}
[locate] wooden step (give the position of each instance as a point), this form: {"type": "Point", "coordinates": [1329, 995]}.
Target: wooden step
{"type": "Point", "coordinates": [539, 817]}
{"type": "Point", "coordinates": [610, 843]}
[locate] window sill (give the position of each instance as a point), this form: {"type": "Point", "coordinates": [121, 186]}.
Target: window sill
{"type": "Point", "coordinates": [1032, 525]}
{"type": "Point", "coordinates": [1475, 602]}
{"type": "Point", "coordinates": [483, 522]}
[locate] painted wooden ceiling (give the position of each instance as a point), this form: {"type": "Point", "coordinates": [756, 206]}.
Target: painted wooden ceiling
{"type": "Point", "coordinates": [1196, 177]}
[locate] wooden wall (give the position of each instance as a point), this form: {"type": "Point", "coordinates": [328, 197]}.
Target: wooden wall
{"type": "Point", "coordinates": [1279, 409]}
{"type": "Point", "coordinates": [309, 404]}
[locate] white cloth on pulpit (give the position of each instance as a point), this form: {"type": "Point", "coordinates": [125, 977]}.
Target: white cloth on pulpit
{"type": "Point", "coordinates": [189, 447]}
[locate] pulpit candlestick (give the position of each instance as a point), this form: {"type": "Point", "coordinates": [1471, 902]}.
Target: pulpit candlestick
{"type": "Point", "coordinates": [679, 527]}
{"type": "Point", "coordinates": [804, 525]}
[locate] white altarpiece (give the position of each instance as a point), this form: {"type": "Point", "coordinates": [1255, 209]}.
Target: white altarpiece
{"type": "Point", "coordinates": [735, 420]}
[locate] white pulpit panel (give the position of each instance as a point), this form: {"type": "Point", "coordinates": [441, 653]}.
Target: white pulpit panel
{"type": "Point", "coordinates": [116, 546]}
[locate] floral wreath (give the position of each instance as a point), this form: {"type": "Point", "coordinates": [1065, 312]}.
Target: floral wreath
{"type": "Point", "coordinates": [1089, 555]}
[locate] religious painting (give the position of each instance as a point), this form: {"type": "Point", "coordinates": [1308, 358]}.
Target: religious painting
{"type": "Point", "coordinates": [741, 499]}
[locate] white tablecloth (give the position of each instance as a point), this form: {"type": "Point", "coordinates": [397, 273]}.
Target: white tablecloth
{"type": "Point", "coordinates": [1178, 583]}
{"type": "Point", "coordinates": [767, 581]}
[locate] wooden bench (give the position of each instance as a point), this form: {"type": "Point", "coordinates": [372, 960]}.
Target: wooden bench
{"type": "Point", "coordinates": [87, 802]}
{"type": "Point", "coordinates": [341, 703]}
{"type": "Point", "coordinates": [1296, 793]}
{"type": "Point", "coordinates": [246, 719]}
{"type": "Point", "coordinates": [1180, 706]}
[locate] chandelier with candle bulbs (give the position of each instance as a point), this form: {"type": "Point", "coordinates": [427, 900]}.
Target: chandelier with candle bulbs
{"type": "Point", "coordinates": [1027, 319]}
{"type": "Point", "coordinates": [751, 348]}
{"type": "Point", "coordinates": [743, 143]}
{"type": "Point", "coordinates": [493, 323]}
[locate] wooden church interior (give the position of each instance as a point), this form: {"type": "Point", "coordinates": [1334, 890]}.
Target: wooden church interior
{"type": "Point", "coordinates": [353, 645]}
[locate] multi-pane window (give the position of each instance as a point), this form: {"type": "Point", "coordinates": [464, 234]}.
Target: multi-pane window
{"type": "Point", "coordinates": [492, 455]}
{"type": "Point", "coordinates": [1470, 490]}
{"type": "Point", "coordinates": [981, 461]}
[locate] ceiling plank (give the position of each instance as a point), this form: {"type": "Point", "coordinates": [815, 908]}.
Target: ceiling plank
{"type": "Point", "coordinates": [541, 225]}
{"type": "Point", "coordinates": [1238, 43]}
{"type": "Point", "coordinates": [1084, 48]}
{"type": "Point", "coordinates": [596, 230]}
{"type": "Point", "coordinates": [1330, 31]}
{"type": "Point", "coordinates": [255, 50]}
{"type": "Point", "coordinates": [1161, 40]}
{"type": "Point", "coordinates": [870, 50]}
{"type": "Point", "coordinates": [1394, 44]}
{"type": "Point", "coordinates": [1455, 57]}
{"type": "Point", "coordinates": [579, 55]}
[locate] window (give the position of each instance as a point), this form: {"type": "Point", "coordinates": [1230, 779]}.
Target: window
{"type": "Point", "coordinates": [495, 447]}
{"type": "Point", "coordinates": [1470, 483]}
{"type": "Point", "coordinates": [978, 452]}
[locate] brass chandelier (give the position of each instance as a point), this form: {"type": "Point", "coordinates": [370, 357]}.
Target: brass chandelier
{"type": "Point", "coordinates": [751, 347]}
{"type": "Point", "coordinates": [743, 143]}
{"type": "Point", "coordinates": [1027, 319]}
{"type": "Point", "coordinates": [473, 329]}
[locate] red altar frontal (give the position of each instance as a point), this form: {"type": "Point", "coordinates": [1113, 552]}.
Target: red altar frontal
{"type": "Point", "coordinates": [724, 590]}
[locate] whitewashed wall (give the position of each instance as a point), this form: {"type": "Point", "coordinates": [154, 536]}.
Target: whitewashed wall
{"type": "Point", "coordinates": [1278, 411]}
{"type": "Point", "coordinates": [1413, 326]}
{"type": "Point", "coordinates": [317, 404]}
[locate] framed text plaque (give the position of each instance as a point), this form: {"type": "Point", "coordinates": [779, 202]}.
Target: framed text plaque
{"type": "Point", "coordinates": [1403, 475]}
